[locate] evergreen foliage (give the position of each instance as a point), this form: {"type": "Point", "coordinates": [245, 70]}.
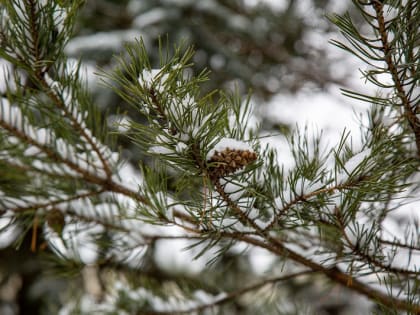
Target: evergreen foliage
{"type": "Point", "coordinates": [206, 178]}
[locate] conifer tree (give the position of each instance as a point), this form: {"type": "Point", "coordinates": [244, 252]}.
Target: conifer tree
{"type": "Point", "coordinates": [206, 179]}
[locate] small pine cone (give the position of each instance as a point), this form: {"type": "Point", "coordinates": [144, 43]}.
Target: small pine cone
{"type": "Point", "coordinates": [229, 161]}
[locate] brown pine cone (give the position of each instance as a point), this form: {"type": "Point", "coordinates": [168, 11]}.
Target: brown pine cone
{"type": "Point", "coordinates": [229, 161]}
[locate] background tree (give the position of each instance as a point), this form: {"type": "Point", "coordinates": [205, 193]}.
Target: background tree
{"type": "Point", "coordinates": [204, 176]}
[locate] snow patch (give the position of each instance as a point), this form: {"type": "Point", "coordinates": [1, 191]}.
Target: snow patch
{"type": "Point", "coordinates": [228, 143]}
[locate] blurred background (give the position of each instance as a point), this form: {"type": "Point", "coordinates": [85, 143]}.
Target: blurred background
{"type": "Point", "coordinates": [276, 50]}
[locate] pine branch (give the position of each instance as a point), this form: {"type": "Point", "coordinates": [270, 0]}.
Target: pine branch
{"type": "Point", "coordinates": [75, 123]}
{"type": "Point", "coordinates": [303, 198]}
{"type": "Point", "coordinates": [31, 9]}
{"type": "Point", "coordinates": [366, 258]}
{"type": "Point", "coordinates": [334, 273]}
{"type": "Point", "coordinates": [85, 174]}
{"type": "Point", "coordinates": [388, 50]}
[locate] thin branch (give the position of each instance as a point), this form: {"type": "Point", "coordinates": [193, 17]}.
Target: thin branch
{"type": "Point", "coordinates": [32, 169]}
{"type": "Point", "coordinates": [90, 177]}
{"type": "Point", "coordinates": [368, 258]}
{"type": "Point", "coordinates": [50, 153]}
{"type": "Point", "coordinates": [243, 218]}
{"type": "Point", "coordinates": [412, 28]}
{"type": "Point", "coordinates": [53, 96]}
{"type": "Point", "coordinates": [392, 68]}
{"type": "Point", "coordinates": [315, 193]}
{"type": "Point", "coordinates": [334, 273]}
{"type": "Point", "coordinates": [53, 203]}
{"type": "Point", "coordinates": [232, 295]}
{"type": "Point", "coordinates": [33, 22]}
{"type": "Point", "coordinates": [399, 244]}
